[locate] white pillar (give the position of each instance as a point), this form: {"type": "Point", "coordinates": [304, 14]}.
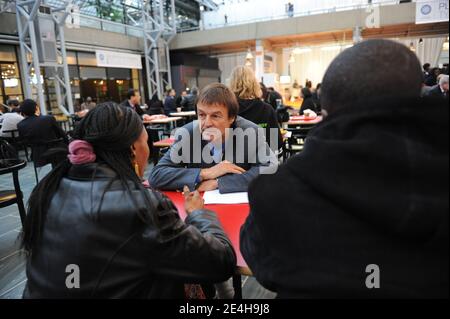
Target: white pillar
{"type": "Point", "coordinates": [259, 60]}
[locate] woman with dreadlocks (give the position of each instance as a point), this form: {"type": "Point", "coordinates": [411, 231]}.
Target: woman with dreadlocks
{"type": "Point", "coordinates": [94, 231]}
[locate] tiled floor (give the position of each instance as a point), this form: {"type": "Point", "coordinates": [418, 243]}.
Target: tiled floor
{"type": "Point", "coordinates": [12, 260]}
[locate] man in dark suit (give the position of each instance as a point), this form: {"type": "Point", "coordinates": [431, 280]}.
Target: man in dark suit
{"type": "Point", "coordinates": [440, 90]}
{"type": "Point", "coordinates": [134, 101]}
{"type": "Point", "coordinates": [41, 131]}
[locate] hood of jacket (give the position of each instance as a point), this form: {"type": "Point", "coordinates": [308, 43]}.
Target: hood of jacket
{"type": "Point", "coordinates": [385, 163]}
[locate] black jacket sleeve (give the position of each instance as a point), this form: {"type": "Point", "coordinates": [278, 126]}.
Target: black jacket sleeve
{"type": "Point", "coordinates": [58, 130]}
{"type": "Point", "coordinates": [194, 251]}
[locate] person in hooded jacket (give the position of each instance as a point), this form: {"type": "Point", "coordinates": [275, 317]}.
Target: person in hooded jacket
{"type": "Point", "coordinates": [155, 105]}
{"type": "Point", "coordinates": [373, 221]}
{"type": "Point", "coordinates": [308, 101]}
{"type": "Point", "coordinates": [244, 85]}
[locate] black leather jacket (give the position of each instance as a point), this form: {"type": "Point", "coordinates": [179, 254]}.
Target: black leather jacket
{"type": "Point", "coordinates": [124, 248]}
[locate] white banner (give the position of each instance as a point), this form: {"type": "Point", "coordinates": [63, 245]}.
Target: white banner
{"type": "Point", "coordinates": [112, 59]}
{"type": "Point", "coordinates": [431, 11]}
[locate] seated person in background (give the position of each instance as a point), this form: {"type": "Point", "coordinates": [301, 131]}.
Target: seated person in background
{"type": "Point", "coordinates": [316, 99]}
{"type": "Point", "coordinates": [188, 103]}
{"type": "Point", "coordinates": [179, 100]}
{"type": "Point", "coordinates": [11, 119]}
{"type": "Point", "coordinates": [39, 130]}
{"type": "Point", "coordinates": [274, 98]}
{"type": "Point", "coordinates": [169, 102]}
{"type": "Point", "coordinates": [440, 90]}
{"type": "Point", "coordinates": [128, 242]}
{"type": "Point", "coordinates": [134, 102]}
{"type": "Point", "coordinates": [248, 91]}
{"type": "Point", "coordinates": [87, 105]}
{"type": "Point", "coordinates": [368, 199]}
{"type": "Point", "coordinates": [308, 101]}
{"type": "Point", "coordinates": [207, 154]}
{"type": "Point", "coordinates": [155, 106]}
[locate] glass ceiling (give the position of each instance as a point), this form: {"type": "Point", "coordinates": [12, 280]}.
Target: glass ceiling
{"type": "Point", "coordinates": [187, 11]}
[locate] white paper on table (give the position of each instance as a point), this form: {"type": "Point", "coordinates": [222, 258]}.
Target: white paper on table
{"type": "Point", "coordinates": [214, 197]}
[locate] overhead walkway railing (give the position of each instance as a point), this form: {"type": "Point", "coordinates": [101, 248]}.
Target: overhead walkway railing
{"type": "Point", "coordinates": [295, 14]}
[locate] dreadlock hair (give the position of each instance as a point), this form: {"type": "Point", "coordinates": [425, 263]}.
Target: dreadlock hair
{"type": "Point", "coordinates": [111, 130]}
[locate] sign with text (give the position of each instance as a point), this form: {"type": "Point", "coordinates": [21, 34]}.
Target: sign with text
{"type": "Point", "coordinates": [431, 11]}
{"type": "Point", "coordinates": [112, 59]}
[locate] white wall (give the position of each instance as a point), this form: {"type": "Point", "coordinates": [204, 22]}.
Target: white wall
{"type": "Point", "coordinates": [228, 62]}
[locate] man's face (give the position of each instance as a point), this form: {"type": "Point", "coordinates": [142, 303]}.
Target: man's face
{"type": "Point", "coordinates": [213, 118]}
{"type": "Point", "coordinates": [136, 99]}
{"type": "Point", "coordinates": [445, 87]}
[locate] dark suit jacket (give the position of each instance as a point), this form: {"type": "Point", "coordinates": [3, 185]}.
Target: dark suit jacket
{"type": "Point", "coordinates": [182, 164]}
{"type": "Point", "coordinates": [137, 108]}
{"type": "Point", "coordinates": [38, 130]}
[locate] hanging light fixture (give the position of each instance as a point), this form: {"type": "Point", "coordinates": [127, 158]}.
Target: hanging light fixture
{"type": "Point", "coordinates": [297, 49]}
{"type": "Point", "coordinates": [446, 45]}
{"type": "Point", "coordinates": [249, 55]}
{"type": "Point", "coordinates": [291, 59]}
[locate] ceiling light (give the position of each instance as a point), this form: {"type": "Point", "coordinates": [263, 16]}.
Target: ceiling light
{"type": "Point", "coordinates": [331, 48]}
{"type": "Point", "coordinates": [291, 59]}
{"type": "Point", "coordinates": [302, 50]}
{"type": "Point", "coordinates": [249, 55]}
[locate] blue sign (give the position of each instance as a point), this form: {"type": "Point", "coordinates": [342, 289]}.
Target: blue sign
{"type": "Point", "coordinates": [426, 9]}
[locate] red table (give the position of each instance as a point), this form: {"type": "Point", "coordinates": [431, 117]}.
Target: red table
{"type": "Point", "coordinates": [168, 142]}
{"type": "Point", "coordinates": [232, 218]}
{"type": "Point", "coordinates": [302, 120]}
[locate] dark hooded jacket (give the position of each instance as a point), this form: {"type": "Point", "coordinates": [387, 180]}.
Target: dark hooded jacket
{"type": "Point", "coordinates": [308, 102]}
{"type": "Point", "coordinates": [370, 187]}
{"type": "Point", "coordinates": [263, 115]}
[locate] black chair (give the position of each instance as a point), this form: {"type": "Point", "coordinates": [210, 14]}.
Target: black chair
{"type": "Point", "coordinates": [295, 143]}
{"type": "Point", "coordinates": [40, 157]}
{"type": "Point", "coordinates": [16, 141]}
{"type": "Point", "coordinates": [10, 197]}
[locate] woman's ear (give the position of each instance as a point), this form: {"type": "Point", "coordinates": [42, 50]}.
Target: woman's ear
{"type": "Point", "coordinates": [133, 150]}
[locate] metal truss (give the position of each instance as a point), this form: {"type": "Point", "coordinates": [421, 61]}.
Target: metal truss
{"type": "Point", "coordinates": [210, 4]}
{"type": "Point", "coordinates": [6, 5]}
{"type": "Point", "coordinates": [26, 15]}
{"type": "Point", "coordinates": [158, 29]}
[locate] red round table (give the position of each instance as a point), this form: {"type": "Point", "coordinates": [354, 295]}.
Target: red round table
{"type": "Point", "coordinates": [232, 218]}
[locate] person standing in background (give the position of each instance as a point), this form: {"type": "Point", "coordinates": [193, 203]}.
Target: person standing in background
{"type": "Point", "coordinates": [169, 102]}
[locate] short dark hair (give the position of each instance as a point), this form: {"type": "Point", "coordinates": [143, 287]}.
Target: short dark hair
{"type": "Point", "coordinates": [219, 94]}
{"type": "Point", "coordinates": [12, 102]}
{"type": "Point", "coordinates": [28, 107]}
{"type": "Point", "coordinates": [131, 93]}
{"type": "Point", "coordinates": [426, 66]}
{"type": "Point", "coordinates": [359, 73]}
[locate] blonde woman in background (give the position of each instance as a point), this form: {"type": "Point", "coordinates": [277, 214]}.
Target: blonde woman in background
{"type": "Point", "coordinates": [246, 87]}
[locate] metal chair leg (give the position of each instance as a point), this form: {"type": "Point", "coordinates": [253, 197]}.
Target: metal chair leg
{"type": "Point", "coordinates": [36, 173]}
{"type": "Point", "coordinates": [237, 285]}
{"type": "Point", "coordinates": [19, 196]}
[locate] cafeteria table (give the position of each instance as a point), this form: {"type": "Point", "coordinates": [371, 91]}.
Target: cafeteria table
{"type": "Point", "coordinates": [232, 218]}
